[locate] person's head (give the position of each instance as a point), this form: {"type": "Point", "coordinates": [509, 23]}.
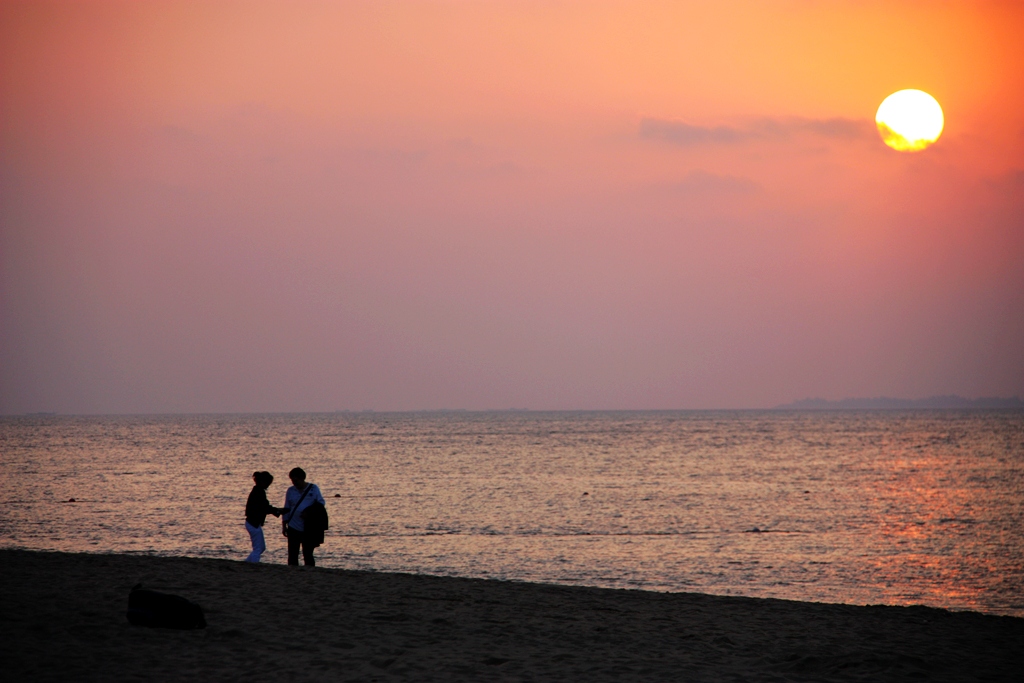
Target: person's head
{"type": "Point", "coordinates": [263, 479]}
{"type": "Point", "coordinates": [298, 476]}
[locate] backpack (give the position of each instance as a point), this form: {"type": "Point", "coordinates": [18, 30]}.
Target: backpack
{"type": "Point", "coordinates": [162, 610]}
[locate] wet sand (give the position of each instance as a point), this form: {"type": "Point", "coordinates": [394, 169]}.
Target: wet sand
{"type": "Point", "coordinates": [64, 619]}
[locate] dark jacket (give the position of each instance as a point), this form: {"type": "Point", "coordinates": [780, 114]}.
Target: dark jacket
{"type": "Point", "coordinates": [258, 507]}
{"type": "Point", "coordinates": [315, 519]}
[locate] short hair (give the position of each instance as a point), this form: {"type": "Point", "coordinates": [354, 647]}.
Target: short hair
{"type": "Point", "coordinates": [263, 479]}
{"type": "Point", "coordinates": [297, 473]}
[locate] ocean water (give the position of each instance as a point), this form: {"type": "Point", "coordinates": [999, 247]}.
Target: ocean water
{"type": "Point", "coordinates": [916, 507]}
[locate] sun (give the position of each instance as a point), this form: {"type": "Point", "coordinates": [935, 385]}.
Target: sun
{"type": "Point", "coordinates": [909, 120]}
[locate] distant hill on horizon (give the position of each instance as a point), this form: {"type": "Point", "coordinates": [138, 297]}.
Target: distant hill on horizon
{"type": "Point", "coordinates": [885, 403]}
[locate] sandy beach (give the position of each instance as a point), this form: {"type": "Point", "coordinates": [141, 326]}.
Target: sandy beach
{"type": "Point", "coordinates": [64, 619]}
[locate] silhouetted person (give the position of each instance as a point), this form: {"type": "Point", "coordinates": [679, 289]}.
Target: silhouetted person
{"type": "Point", "coordinates": [299, 497]}
{"type": "Point", "coordinates": [256, 510]}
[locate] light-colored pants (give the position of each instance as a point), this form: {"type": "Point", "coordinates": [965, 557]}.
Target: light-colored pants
{"type": "Point", "coordinates": [258, 544]}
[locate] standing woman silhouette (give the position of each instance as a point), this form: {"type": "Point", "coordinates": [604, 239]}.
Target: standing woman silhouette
{"type": "Point", "coordinates": [257, 507]}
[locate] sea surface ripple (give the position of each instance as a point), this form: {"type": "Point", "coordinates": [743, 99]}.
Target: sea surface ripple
{"type": "Point", "coordinates": [861, 507]}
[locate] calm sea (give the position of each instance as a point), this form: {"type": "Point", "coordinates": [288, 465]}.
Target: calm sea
{"type": "Point", "coordinates": [918, 507]}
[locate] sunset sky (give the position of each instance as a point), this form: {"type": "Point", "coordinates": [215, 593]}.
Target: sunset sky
{"type": "Point", "coordinates": [489, 204]}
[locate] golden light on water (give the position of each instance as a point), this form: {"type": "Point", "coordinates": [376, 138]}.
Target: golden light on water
{"type": "Point", "coordinates": [909, 120]}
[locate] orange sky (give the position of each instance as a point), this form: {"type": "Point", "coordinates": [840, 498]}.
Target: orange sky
{"type": "Point", "coordinates": [493, 204]}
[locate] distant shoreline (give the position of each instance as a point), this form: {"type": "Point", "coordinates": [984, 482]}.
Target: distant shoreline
{"type": "Point", "coordinates": [951, 402]}
{"type": "Point", "coordinates": [357, 625]}
{"type": "Point", "coordinates": [808, 404]}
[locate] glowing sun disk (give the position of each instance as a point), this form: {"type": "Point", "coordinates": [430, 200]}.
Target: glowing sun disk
{"type": "Point", "coordinates": [909, 120]}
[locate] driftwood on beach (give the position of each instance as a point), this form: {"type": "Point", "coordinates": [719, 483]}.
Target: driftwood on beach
{"type": "Point", "coordinates": [64, 619]}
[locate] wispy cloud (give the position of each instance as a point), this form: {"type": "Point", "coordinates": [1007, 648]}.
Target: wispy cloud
{"type": "Point", "coordinates": [689, 135]}
{"type": "Point", "coordinates": [704, 183]}
{"type": "Point", "coordinates": [1010, 183]}
{"type": "Point", "coordinates": [179, 135]}
{"type": "Point", "coordinates": [685, 134]}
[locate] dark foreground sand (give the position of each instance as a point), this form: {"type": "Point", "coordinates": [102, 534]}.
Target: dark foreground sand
{"type": "Point", "coordinates": [63, 618]}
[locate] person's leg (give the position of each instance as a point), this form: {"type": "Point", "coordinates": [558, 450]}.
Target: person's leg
{"type": "Point", "coordinates": [294, 539]}
{"type": "Point", "coordinates": [258, 543]}
{"type": "Point", "coordinates": [307, 553]}
{"type": "Point", "coordinates": [251, 530]}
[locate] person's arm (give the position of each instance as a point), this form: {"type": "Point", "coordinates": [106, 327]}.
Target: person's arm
{"type": "Point", "coordinates": [270, 509]}
{"type": "Point", "coordinates": [284, 524]}
{"type": "Point", "coordinates": [319, 496]}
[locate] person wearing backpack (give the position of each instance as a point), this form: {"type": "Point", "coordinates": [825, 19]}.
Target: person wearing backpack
{"type": "Point", "coordinates": [298, 499]}
{"type": "Point", "coordinates": [257, 507]}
